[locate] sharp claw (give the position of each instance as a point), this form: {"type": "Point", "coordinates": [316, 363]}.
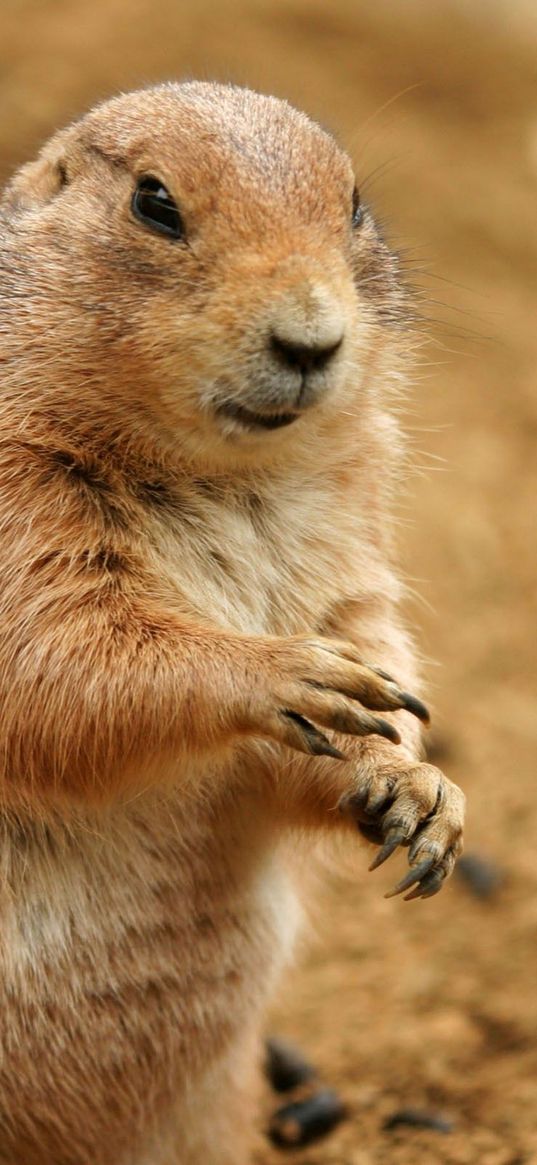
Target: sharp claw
{"type": "Point", "coordinates": [419, 893]}
{"type": "Point", "coordinates": [435, 890]}
{"type": "Point", "coordinates": [317, 742]}
{"type": "Point", "coordinates": [414, 875]}
{"type": "Point", "coordinates": [393, 839]}
{"type": "Point", "coordinates": [415, 706]}
{"type": "Point", "coordinates": [383, 674]}
{"type": "Point", "coordinates": [429, 886]}
{"type": "Point", "coordinates": [416, 893]}
{"type": "Point", "coordinates": [383, 728]}
{"type": "Point", "coordinates": [323, 747]}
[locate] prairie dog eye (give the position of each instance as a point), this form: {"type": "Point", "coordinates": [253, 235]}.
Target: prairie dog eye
{"type": "Point", "coordinates": [154, 206]}
{"type": "Point", "coordinates": [357, 211]}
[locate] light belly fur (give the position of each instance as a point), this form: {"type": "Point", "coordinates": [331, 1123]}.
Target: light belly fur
{"type": "Point", "coordinates": [136, 954]}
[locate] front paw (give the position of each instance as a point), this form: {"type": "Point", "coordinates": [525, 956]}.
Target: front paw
{"type": "Point", "coordinates": [416, 807]}
{"type": "Point", "coordinates": [299, 683]}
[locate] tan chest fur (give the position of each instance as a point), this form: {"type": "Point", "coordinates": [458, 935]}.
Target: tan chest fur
{"type": "Point", "coordinates": [270, 561]}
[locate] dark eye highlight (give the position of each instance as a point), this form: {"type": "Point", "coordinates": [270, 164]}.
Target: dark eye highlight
{"type": "Point", "coordinates": [357, 210]}
{"type": "Point", "coordinates": [154, 206]}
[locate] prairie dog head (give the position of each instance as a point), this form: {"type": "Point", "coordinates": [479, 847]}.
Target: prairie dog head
{"type": "Point", "coordinates": [197, 263]}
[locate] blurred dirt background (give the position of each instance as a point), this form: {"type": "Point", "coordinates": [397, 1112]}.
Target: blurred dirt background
{"type": "Point", "coordinates": [430, 1004]}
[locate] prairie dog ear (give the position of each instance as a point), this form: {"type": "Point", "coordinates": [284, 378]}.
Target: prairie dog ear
{"type": "Point", "coordinates": [38, 182]}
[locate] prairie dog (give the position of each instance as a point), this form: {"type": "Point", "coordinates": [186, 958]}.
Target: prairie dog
{"type": "Point", "coordinates": [201, 332]}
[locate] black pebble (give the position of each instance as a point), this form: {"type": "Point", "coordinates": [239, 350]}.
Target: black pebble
{"type": "Point", "coordinates": [418, 1118]}
{"type": "Point", "coordinates": [480, 875]}
{"type": "Point", "coordinates": [306, 1120]}
{"type": "Point", "coordinates": [285, 1066]}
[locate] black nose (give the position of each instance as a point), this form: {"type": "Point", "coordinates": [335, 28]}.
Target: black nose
{"type": "Point", "coordinates": [303, 357]}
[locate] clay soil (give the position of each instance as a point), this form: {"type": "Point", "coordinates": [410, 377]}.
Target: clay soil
{"type": "Point", "coordinates": [429, 1004]}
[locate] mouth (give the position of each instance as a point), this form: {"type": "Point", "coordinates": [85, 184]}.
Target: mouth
{"type": "Point", "coordinates": [252, 421]}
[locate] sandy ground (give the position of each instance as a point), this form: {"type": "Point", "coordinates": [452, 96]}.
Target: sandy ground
{"type": "Point", "coordinates": [430, 1004]}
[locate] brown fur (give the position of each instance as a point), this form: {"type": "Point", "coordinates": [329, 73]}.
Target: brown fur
{"type": "Point", "coordinates": [167, 581]}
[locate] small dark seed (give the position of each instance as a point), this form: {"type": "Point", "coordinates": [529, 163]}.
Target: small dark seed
{"type": "Point", "coordinates": [285, 1067]}
{"type": "Point", "coordinates": [418, 1119]}
{"type": "Point", "coordinates": [480, 875]}
{"type": "Point", "coordinates": [306, 1120]}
